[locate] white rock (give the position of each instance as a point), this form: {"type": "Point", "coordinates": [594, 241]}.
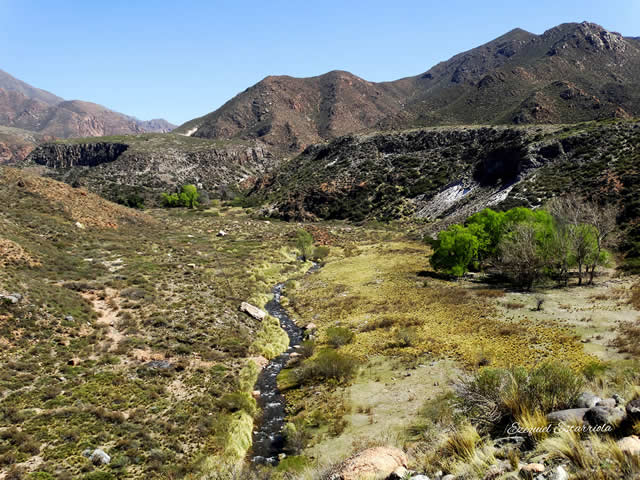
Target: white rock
{"type": "Point", "coordinates": [255, 312]}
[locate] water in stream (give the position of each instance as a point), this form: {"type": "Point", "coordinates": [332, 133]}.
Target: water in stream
{"type": "Point", "coordinates": [268, 440]}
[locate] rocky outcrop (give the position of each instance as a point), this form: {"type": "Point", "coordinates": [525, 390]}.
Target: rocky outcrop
{"type": "Point", "coordinates": [146, 165]}
{"type": "Point", "coordinates": [446, 174]}
{"type": "Point", "coordinates": [61, 156]}
{"type": "Point", "coordinates": [378, 462]}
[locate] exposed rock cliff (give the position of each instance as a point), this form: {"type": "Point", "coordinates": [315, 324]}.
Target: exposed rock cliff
{"type": "Point", "coordinates": [59, 156]}
{"type": "Point", "coordinates": [445, 174]}
{"type": "Point", "coordinates": [148, 164]}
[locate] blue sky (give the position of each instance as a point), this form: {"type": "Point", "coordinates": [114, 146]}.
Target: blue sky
{"type": "Point", "coordinates": [182, 59]}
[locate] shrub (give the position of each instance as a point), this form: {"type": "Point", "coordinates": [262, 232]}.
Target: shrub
{"type": "Point", "coordinates": [455, 250]}
{"type": "Point", "coordinates": [320, 253]}
{"type": "Point", "coordinates": [327, 364]}
{"type": "Point", "coordinates": [304, 243]}
{"type": "Point", "coordinates": [339, 336]}
{"type": "Point", "coordinates": [497, 395]}
{"type": "Point", "coordinates": [628, 338]}
{"type": "Point", "coordinates": [236, 401]}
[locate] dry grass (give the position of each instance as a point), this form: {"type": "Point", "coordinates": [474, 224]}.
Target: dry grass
{"type": "Point", "coordinates": [628, 338]}
{"type": "Point", "coordinates": [376, 293]}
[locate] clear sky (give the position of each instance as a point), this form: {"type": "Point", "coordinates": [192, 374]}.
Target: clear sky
{"type": "Point", "coordinates": [182, 59]}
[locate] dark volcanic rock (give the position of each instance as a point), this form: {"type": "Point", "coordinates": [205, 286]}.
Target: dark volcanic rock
{"type": "Point", "coordinates": [77, 155]}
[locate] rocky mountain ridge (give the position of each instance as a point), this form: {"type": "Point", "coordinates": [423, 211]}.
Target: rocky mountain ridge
{"type": "Point", "coordinates": [571, 73]}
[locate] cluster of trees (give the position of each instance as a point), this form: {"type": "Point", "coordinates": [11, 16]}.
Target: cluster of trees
{"type": "Point", "coordinates": [569, 234]}
{"type": "Point", "coordinates": [187, 197]}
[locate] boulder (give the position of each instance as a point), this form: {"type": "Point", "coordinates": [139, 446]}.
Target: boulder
{"type": "Point", "coordinates": [587, 400]}
{"type": "Point", "coordinates": [559, 473]}
{"type": "Point", "coordinates": [374, 462]}
{"type": "Point", "coordinates": [633, 408]}
{"type": "Point", "coordinates": [513, 441]}
{"type": "Point", "coordinates": [533, 468]}
{"type": "Point", "coordinates": [159, 365]}
{"type": "Point", "coordinates": [100, 457]}
{"type": "Point", "coordinates": [252, 311]}
{"type": "Point", "coordinates": [255, 394]}
{"type": "Point", "coordinates": [400, 473]}
{"type": "Point", "coordinates": [12, 299]}
{"type": "Point", "coordinates": [311, 326]}
{"type": "Point", "coordinates": [606, 403]}
{"type": "Point", "coordinates": [630, 444]}
{"type": "Point", "coordinates": [496, 471]}
{"type": "Point", "coordinates": [600, 416]}
{"type": "Point", "coordinates": [572, 415]}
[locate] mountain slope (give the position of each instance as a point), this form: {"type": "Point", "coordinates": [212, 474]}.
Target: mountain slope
{"type": "Point", "coordinates": [16, 144]}
{"type": "Point", "coordinates": [292, 113]}
{"type": "Point", "coordinates": [11, 84]}
{"type": "Point", "coordinates": [145, 165]}
{"type": "Point", "coordinates": [570, 73]}
{"type": "Point", "coordinates": [25, 107]}
{"type": "Point", "coordinates": [445, 174]}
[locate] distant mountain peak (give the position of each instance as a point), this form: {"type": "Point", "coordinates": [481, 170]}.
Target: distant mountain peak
{"type": "Point", "coordinates": [25, 107]}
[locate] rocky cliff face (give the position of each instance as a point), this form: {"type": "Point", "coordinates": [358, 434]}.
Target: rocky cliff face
{"type": "Point", "coordinates": [149, 164]}
{"type": "Point", "coordinates": [59, 156]}
{"type": "Point", "coordinates": [16, 145]}
{"type": "Point", "coordinates": [445, 174]}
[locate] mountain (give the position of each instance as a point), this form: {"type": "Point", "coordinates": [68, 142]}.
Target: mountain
{"type": "Point", "coordinates": [28, 108]}
{"type": "Point", "coordinates": [11, 84]}
{"type": "Point", "coordinates": [16, 144]}
{"type": "Point", "coordinates": [571, 73]}
{"type": "Point", "coordinates": [291, 113]}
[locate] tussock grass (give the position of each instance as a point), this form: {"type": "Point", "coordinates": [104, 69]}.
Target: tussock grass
{"type": "Point", "coordinates": [271, 340]}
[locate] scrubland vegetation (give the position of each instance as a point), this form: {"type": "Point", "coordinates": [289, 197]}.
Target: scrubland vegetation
{"type": "Point", "coordinates": [127, 337]}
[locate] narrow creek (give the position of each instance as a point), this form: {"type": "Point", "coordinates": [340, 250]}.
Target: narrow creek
{"type": "Point", "coordinates": [268, 438]}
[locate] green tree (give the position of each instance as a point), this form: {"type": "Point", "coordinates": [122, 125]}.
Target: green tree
{"type": "Point", "coordinates": [488, 225]}
{"type": "Point", "coordinates": [455, 250]}
{"type": "Point", "coordinates": [304, 243]}
{"type": "Point", "coordinates": [170, 200]}
{"type": "Point", "coordinates": [189, 196]}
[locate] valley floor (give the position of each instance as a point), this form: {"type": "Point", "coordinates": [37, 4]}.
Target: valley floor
{"type": "Point", "coordinates": [125, 336]}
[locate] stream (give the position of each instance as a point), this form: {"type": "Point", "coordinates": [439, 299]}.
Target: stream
{"type": "Point", "coordinates": [268, 439]}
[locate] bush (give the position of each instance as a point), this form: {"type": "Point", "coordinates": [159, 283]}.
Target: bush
{"type": "Point", "coordinates": [304, 243]}
{"type": "Point", "coordinates": [339, 336]}
{"type": "Point", "coordinates": [327, 365]}
{"type": "Point", "coordinates": [494, 396]}
{"type": "Point", "coordinates": [236, 401]}
{"type": "Point", "coordinates": [320, 253]}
